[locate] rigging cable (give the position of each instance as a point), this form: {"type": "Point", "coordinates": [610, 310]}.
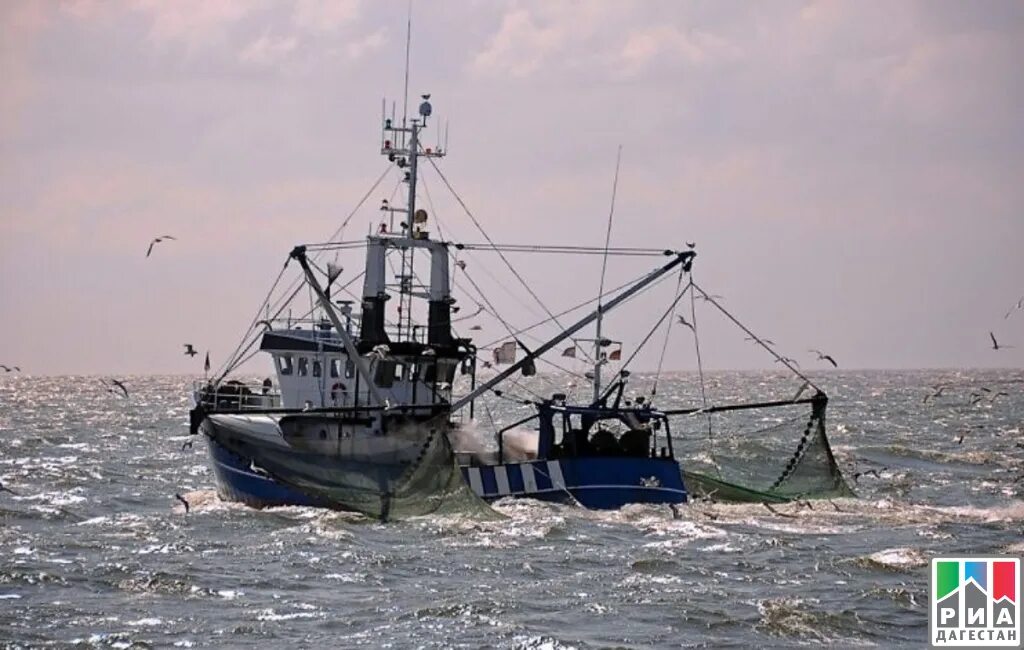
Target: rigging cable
{"type": "Point", "coordinates": [664, 345]}
{"type": "Point", "coordinates": [504, 259]}
{"type": "Point", "coordinates": [700, 368]}
{"type": "Point", "coordinates": [666, 314]}
{"type": "Point", "coordinates": [783, 360]}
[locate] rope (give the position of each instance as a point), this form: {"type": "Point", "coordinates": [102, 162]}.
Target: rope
{"type": "Point", "coordinates": [664, 345]}
{"type": "Point", "coordinates": [756, 338]}
{"type": "Point", "coordinates": [700, 372]}
{"type": "Point", "coordinates": [504, 259]}
{"type": "Point", "coordinates": [664, 315]}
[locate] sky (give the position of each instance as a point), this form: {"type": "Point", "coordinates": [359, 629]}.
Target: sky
{"type": "Point", "coordinates": [852, 173]}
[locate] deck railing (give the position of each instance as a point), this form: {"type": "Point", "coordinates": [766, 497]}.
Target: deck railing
{"type": "Point", "coordinates": [236, 395]}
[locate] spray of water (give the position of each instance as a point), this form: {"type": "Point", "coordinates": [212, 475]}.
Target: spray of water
{"type": "Point", "coordinates": [519, 443]}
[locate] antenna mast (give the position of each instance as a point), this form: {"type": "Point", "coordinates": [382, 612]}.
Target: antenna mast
{"type": "Point", "coordinates": [598, 339]}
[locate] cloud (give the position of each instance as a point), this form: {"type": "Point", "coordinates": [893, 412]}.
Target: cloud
{"type": "Point", "coordinates": [268, 50]}
{"type": "Point", "coordinates": [367, 45]}
{"type": "Point", "coordinates": [194, 24]}
{"type": "Point", "coordinates": [519, 47]}
{"type": "Point", "coordinates": [663, 44]}
{"type": "Point", "coordinates": [325, 15]}
{"type": "Point", "coordinates": [20, 27]}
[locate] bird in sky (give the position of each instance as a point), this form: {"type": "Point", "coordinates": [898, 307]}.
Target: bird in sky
{"type": "Point", "coordinates": [691, 245]}
{"type": "Point", "coordinates": [1019, 305]}
{"type": "Point", "coordinates": [788, 360]}
{"type": "Point", "coordinates": [189, 350]}
{"type": "Point", "coordinates": [825, 357]}
{"type": "Point", "coordinates": [9, 369]}
{"type": "Point", "coordinates": [713, 296]}
{"type": "Point", "coordinates": [476, 328]}
{"type": "Point", "coordinates": [119, 384]}
{"type": "Point", "coordinates": [996, 345]}
{"type": "Point", "coordinates": [765, 341]}
{"type": "Point", "coordinates": [157, 240]}
{"type": "Point", "coordinates": [683, 321]}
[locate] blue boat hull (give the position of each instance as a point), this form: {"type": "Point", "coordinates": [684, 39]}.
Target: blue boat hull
{"type": "Point", "coordinates": [237, 481]}
{"type": "Point", "coordinates": [597, 482]}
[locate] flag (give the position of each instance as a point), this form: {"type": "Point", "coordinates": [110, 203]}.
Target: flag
{"type": "Point", "coordinates": [615, 355]}
{"type": "Point", "coordinates": [505, 353]}
{"type": "Point", "coordinates": [206, 366]}
{"type": "Point", "coordinates": [569, 352]}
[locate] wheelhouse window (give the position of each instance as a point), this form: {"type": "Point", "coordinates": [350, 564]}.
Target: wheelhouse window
{"type": "Point", "coordinates": [284, 364]}
{"type": "Point", "coordinates": [350, 368]}
{"type": "Point", "coordinates": [317, 370]}
{"type": "Point", "coordinates": [303, 367]}
{"type": "Point", "coordinates": [335, 368]}
{"type": "Point", "coordinates": [384, 376]}
{"type": "Point", "coordinates": [399, 371]}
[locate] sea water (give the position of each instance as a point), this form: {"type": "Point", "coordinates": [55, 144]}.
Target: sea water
{"type": "Point", "coordinates": [96, 551]}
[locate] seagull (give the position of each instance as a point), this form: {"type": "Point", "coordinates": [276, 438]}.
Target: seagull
{"type": "Point", "coordinates": [825, 357]}
{"type": "Point", "coordinates": [14, 368]}
{"type": "Point", "coordinates": [711, 297]}
{"type": "Point", "coordinates": [960, 440]}
{"type": "Point", "coordinates": [683, 321]}
{"type": "Point", "coordinates": [691, 245]}
{"type": "Point", "coordinates": [379, 351]}
{"type": "Point", "coordinates": [183, 501]}
{"type": "Point", "coordinates": [1019, 305]}
{"type": "Point", "coordinates": [117, 383]}
{"type": "Point", "coordinates": [776, 512]}
{"type": "Point", "coordinates": [938, 392]}
{"type": "Point", "coordinates": [4, 488]}
{"type": "Point", "coordinates": [149, 251]}
{"type": "Point", "coordinates": [996, 395]}
{"type": "Point", "coordinates": [787, 360]}
{"type": "Point", "coordinates": [765, 341]}
{"type": "Point", "coordinates": [189, 350]}
{"type": "Point", "coordinates": [995, 343]}
{"type": "Point", "coordinates": [476, 328]}
{"type": "Point", "coordinates": [186, 445]}
{"type": "Point", "coordinates": [873, 472]}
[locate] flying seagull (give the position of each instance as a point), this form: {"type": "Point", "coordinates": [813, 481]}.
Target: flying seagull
{"type": "Point", "coordinates": [117, 383]}
{"type": "Point", "coordinates": [189, 350]}
{"type": "Point", "coordinates": [710, 297]}
{"type": "Point", "coordinates": [183, 501]}
{"type": "Point", "coordinates": [938, 393]}
{"type": "Point", "coordinates": [825, 357]}
{"type": "Point", "coordinates": [765, 341]}
{"type": "Point", "coordinates": [787, 360]}
{"type": "Point", "coordinates": [683, 321]}
{"type": "Point", "coordinates": [995, 343]}
{"type": "Point", "coordinates": [476, 328]}
{"type": "Point", "coordinates": [14, 368]}
{"type": "Point", "coordinates": [691, 245]}
{"type": "Point", "coordinates": [157, 240]}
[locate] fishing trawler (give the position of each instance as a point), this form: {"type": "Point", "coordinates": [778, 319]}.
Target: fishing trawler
{"type": "Point", "coordinates": [362, 409]}
{"type": "Point", "coordinates": [371, 388]}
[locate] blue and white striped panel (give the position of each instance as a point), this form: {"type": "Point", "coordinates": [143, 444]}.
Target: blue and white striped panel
{"type": "Point", "coordinates": [516, 479]}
